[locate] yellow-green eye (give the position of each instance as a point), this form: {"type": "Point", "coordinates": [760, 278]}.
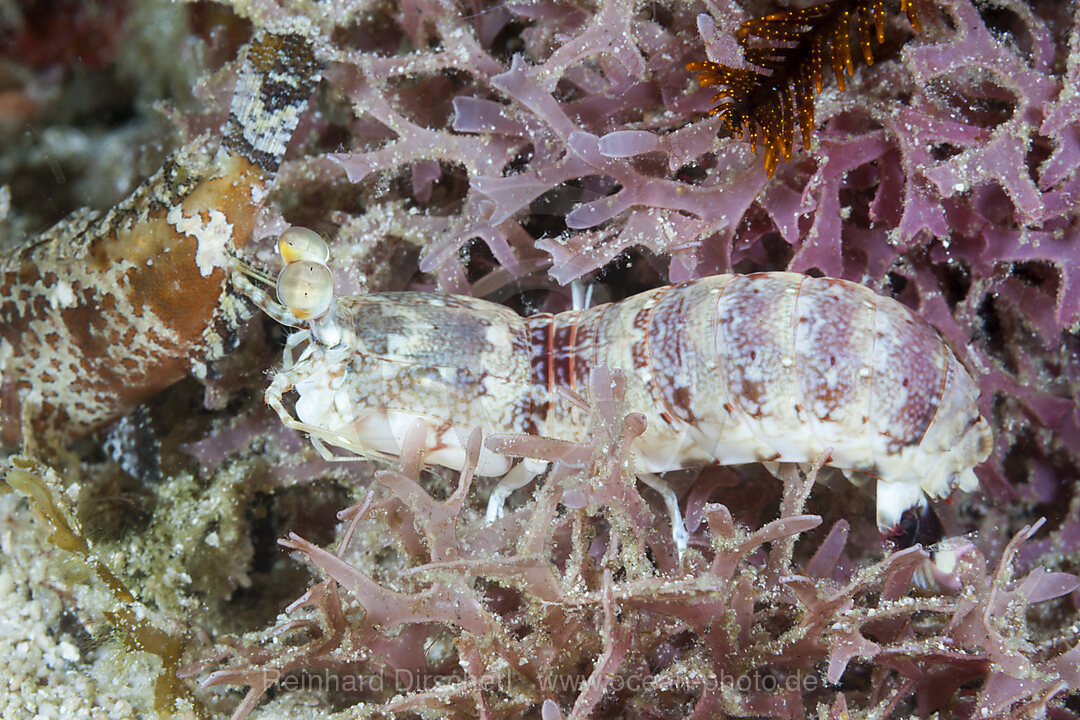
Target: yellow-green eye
{"type": "Point", "coordinates": [299, 243]}
{"type": "Point", "coordinates": [305, 288]}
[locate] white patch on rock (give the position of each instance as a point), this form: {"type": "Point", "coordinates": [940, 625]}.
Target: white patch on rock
{"type": "Point", "coordinates": [213, 237]}
{"type": "Point", "coordinates": [6, 354]}
{"type": "Point", "coordinates": [258, 194]}
{"type": "Point", "coordinates": [61, 295]}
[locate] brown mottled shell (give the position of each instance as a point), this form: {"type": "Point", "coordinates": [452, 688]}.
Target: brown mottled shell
{"type": "Point", "coordinates": [98, 314]}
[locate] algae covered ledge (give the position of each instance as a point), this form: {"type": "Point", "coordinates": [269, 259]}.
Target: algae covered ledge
{"type": "Point", "coordinates": [182, 554]}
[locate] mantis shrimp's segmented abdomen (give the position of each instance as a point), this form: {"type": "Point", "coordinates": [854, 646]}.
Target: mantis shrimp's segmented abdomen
{"type": "Point", "coordinates": [770, 367]}
{"type": "Point", "coordinates": [99, 313]}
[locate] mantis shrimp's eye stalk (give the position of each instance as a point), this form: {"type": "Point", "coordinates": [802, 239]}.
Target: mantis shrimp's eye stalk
{"type": "Point", "coordinates": [306, 288]}
{"type": "Point", "coordinates": [300, 243]}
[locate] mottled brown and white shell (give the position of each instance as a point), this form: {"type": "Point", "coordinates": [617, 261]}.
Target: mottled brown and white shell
{"type": "Point", "coordinates": [99, 313]}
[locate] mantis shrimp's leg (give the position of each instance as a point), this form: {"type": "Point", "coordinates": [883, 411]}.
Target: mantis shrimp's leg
{"type": "Point", "coordinates": [671, 502]}
{"type": "Point", "coordinates": [518, 477]}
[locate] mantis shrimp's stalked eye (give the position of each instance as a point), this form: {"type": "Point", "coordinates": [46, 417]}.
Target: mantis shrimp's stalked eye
{"type": "Point", "coordinates": [306, 288]}
{"type": "Point", "coordinates": [300, 243]}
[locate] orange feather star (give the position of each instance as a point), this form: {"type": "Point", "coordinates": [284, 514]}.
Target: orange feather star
{"type": "Point", "coordinates": [787, 51]}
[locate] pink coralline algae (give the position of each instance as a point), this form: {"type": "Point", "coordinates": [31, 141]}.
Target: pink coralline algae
{"type": "Point", "coordinates": [521, 147]}
{"type": "Point", "coordinates": [507, 150]}
{"type": "Point", "coordinates": [575, 606]}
